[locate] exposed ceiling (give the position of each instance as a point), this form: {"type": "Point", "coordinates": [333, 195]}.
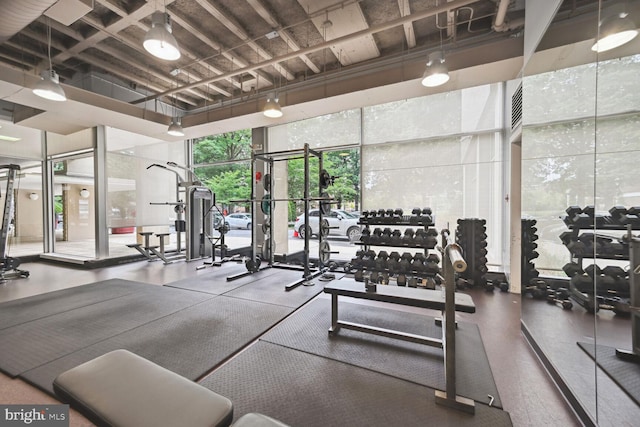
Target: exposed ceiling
{"type": "Point", "coordinates": [235, 53]}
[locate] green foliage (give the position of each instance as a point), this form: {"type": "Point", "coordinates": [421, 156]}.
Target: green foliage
{"type": "Point", "coordinates": [231, 185]}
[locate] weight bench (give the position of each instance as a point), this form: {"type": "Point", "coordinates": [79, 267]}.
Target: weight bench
{"type": "Point", "coordinates": [125, 390]}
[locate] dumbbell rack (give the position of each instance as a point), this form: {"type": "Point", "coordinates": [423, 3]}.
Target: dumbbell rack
{"type": "Point", "coordinates": [587, 245]}
{"type": "Point", "coordinates": [405, 221]}
{"type": "Point", "coordinates": [472, 237]}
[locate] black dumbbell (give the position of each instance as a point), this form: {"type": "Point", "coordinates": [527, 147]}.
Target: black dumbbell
{"type": "Point", "coordinates": [375, 277]}
{"type": "Point", "coordinates": [593, 270]}
{"type": "Point", "coordinates": [386, 236]}
{"type": "Point", "coordinates": [582, 283]}
{"type": "Point", "coordinates": [560, 298]}
{"type": "Point", "coordinates": [419, 237]}
{"type": "Point", "coordinates": [375, 236]}
{"type": "Point", "coordinates": [396, 238]}
{"type": "Point", "coordinates": [416, 213]}
{"type": "Point", "coordinates": [413, 282]}
{"type": "Point", "coordinates": [404, 265]}
{"type": "Point", "coordinates": [572, 269]}
{"type": "Point", "coordinates": [417, 265]}
{"type": "Point", "coordinates": [407, 238]}
{"type": "Point", "coordinates": [381, 263]}
{"type": "Point", "coordinates": [401, 280]}
{"type": "Point", "coordinates": [365, 235]}
{"type": "Point", "coordinates": [614, 271]}
{"type": "Point", "coordinates": [623, 216]}
{"type": "Point", "coordinates": [397, 214]}
{"type": "Point", "coordinates": [389, 213]}
{"type": "Point", "coordinates": [381, 213]}
{"type": "Point", "coordinates": [359, 276]}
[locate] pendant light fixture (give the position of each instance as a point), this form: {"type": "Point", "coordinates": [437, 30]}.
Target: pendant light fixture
{"type": "Point", "coordinates": [159, 41]}
{"type": "Point", "coordinates": [272, 107]}
{"type": "Point", "coordinates": [437, 72]}
{"type": "Point", "coordinates": [175, 128]}
{"type": "Point", "coordinates": [49, 85]}
{"type": "Point", "coordinates": [615, 30]}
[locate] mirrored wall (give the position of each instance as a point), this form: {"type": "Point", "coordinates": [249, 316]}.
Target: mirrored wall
{"type": "Point", "coordinates": [580, 143]}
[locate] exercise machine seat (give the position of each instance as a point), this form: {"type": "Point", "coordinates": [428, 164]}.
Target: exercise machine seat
{"type": "Point", "coordinates": [125, 390]}
{"type": "Point", "coordinates": [257, 420]}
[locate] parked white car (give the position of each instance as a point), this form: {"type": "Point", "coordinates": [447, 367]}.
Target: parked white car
{"type": "Point", "coordinates": [238, 220]}
{"type": "Point", "coordinates": [341, 223]}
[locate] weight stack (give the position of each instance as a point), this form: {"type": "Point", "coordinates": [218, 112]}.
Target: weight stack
{"type": "Point", "coordinates": [472, 237]}
{"type": "Point", "coordinates": [529, 236]}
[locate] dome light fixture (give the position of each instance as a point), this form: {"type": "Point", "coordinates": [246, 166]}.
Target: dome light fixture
{"type": "Point", "coordinates": [34, 196]}
{"type": "Point", "coordinates": [272, 108]}
{"type": "Point", "coordinates": [437, 72]}
{"type": "Point", "coordinates": [175, 128]}
{"type": "Point", "coordinates": [49, 85]}
{"type": "Point", "coordinates": [84, 193]}
{"type": "Point", "coordinates": [615, 30]}
{"type": "Point", "coordinates": [159, 41]}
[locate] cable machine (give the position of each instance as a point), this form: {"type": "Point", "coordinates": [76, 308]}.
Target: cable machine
{"type": "Point", "coordinates": [8, 265]}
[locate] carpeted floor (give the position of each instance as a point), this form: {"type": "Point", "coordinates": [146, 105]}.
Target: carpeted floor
{"type": "Point", "coordinates": [302, 389]}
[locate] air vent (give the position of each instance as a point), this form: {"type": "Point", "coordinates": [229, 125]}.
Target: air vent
{"type": "Point", "coordinates": [516, 108]}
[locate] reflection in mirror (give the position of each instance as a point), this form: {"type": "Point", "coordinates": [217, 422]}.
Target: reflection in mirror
{"type": "Point", "coordinates": [558, 149]}
{"type": "Point", "coordinates": [617, 153]}
{"type": "Point", "coordinates": [579, 147]}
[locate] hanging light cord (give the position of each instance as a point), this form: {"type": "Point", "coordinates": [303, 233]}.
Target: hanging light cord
{"type": "Point", "coordinates": [49, 44]}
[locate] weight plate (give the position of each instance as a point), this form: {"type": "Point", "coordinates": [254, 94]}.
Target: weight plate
{"type": "Point", "coordinates": [325, 205]}
{"type": "Point", "coordinates": [266, 182]}
{"type": "Point", "coordinates": [265, 227]}
{"type": "Point", "coordinates": [324, 228]}
{"type": "Point", "coordinates": [325, 178]}
{"type": "Point", "coordinates": [265, 206]}
{"type": "Point", "coordinates": [325, 252]}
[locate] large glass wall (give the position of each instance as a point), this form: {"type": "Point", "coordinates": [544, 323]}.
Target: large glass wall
{"type": "Point", "coordinates": [445, 151]}
{"type": "Point", "coordinates": [142, 189]}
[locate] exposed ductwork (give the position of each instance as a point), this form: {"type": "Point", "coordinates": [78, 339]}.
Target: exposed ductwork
{"type": "Point", "coordinates": [500, 22]}
{"type": "Point", "coordinates": [18, 14]}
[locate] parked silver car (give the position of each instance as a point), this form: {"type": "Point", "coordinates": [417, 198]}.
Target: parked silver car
{"type": "Point", "coordinates": [341, 223]}
{"type": "Point", "coordinates": [238, 220]}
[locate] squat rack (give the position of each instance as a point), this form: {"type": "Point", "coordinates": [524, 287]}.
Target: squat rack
{"type": "Point", "coordinates": [254, 264]}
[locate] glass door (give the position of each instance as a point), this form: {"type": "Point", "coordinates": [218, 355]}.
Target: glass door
{"type": "Point", "coordinates": [74, 206]}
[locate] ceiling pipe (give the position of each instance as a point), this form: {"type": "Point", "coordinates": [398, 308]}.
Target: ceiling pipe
{"type": "Point", "coordinates": [16, 15]}
{"type": "Point", "coordinates": [501, 16]}
{"type": "Point", "coordinates": [456, 4]}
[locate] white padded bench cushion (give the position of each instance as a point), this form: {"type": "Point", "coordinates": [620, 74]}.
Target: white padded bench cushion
{"type": "Point", "coordinates": [125, 390]}
{"type": "Point", "coordinates": [257, 420]}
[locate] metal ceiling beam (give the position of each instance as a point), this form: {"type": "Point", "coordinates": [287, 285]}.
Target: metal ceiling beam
{"type": "Point", "coordinates": [410, 36]}
{"type": "Point", "coordinates": [240, 33]}
{"type": "Point", "coordinates": [371, 30]}
{"type": "Point", "coordinates": [259, 7]}
{"type": "Point", "coordinates": [217, 47]}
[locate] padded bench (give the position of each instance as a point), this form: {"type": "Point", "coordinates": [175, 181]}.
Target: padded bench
{"type": "Point", "coordinates": [123, 389]}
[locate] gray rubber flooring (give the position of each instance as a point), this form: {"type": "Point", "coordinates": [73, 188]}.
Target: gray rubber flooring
{"type": "Point", "coordinates": [38, 306]}
{"type": "Point", "coordinates": [624, 373]}
{"type": "Point", "coordinates": [31, 344]}
{"type": "Point", "coordinates": [189, 342]}
{"type": "Point", "coordinates": [307, 330]}
{"type": "Point", "coordinates": [271, 289]}
{"type": "Point", "coordinates": [302, 389]}
{"type": "Point", "coordinates": [214, 280]}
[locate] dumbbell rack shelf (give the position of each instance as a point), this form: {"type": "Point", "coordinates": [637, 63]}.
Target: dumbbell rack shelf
{"type": "Point", "coordinates": [611, 301]}
{"type": "Point", "coordinates": [406, 221]}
